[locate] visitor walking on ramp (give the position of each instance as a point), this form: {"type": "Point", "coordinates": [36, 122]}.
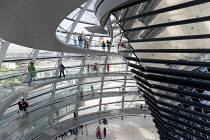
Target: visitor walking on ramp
{"type": "Point", "coordinates": [81, 94]}
{"type": "Point", "coordinates": [103, 45]}
{"type": "Point", "coordinates": [20, 108]}
{"type": "Point", "coordinates": [108, 44]}
{"type": "Point", "coordinates": [107, 67]}
{"type": "Point", "coordinates": [88, 69]}
{"type": "Point", "coordinates": [25, 105]}
{"type": "Point", "coordinates": [62, 68]}
{"type": "Point", "coordinates": [32, 73]}
{"type": "Point", "coordinates": [104, 131]}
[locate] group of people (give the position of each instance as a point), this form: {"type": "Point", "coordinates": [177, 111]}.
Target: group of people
{"type": "Point", "coordinates": [107, 44]}
{"type": "Point", "coordinates": [82, 93]}
{"type": "Point", "coordinates": [95, 68]}
{"type": "Point", "coordinates": [32, 72]}
{"type": "Point", "coordinates": [73, 131]}
{"type": "Point", "coordinates": [83, 40]}
{"type": "Point", "coordinates": [80, 129]}
{"type": "Point", "coordinates": [98, 132]}
{"type": "Point", "coordinates": [22, 105]}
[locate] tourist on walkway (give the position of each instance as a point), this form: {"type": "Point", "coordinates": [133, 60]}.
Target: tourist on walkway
{"type": "Point", "coordinates": [95, 68]}
{"type": "Point", "coordinates": [108, 44]}
{"type": "Point", "coordinates": [81, 93]}
{"type": "Point", "coordinates": [24, 105]}
{"type": "Point", "coordinates": [107, 67]}
{"type": "Point", "coordinates": [104, 131]}
{"type": "Point", "coordinates": [32, 72]}
{"type": "Point", "coordinates": [141, 107]}
{"type": "Point", "coordinates": [92, 89]}
{"type": "Point", "coordinates": [80, 40]}
{"type": "Point", "coordinates": [103, 45]}
{"type": "Point", "coordinates": [88, 69]}
{"type": "Point", "coordinates": [83, 38]}
{"type": "Point", "coordinates": [75, 37]}
{"type": "Point", "coordinates": [105, 122]}
{"type": "Point", "coordinates": [81, 127]}
{"type": "Point", "coordinates": [86, 43]}
{"type": "Point", "coordinates": [86, 130]}
{"type": "Point", "coordinates": [99, 133]}
{"type": "Point", "coordinates": [61, 68]}
{"type": "Point", "coordinates": [20, 108]}
{"type": "Point", "coordinates": [75, 114]}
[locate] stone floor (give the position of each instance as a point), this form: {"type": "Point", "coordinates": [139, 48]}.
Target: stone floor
{"type": "Point", "coordinates": [131, 128]}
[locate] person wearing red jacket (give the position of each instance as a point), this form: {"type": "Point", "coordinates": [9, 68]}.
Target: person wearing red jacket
{"type": "Point", "coordinates": [99, 133]}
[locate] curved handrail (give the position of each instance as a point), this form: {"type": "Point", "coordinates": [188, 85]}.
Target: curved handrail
{"type": "Point", "coordinates": [71, 113]}
{"type": "Point", "coordinates": [14, 114]}
{"type": "Point", "coordinates": [47, 134]}
{"type": "Point", "coordinates": [43, 70]}
{"type": "Point", "coordinates": [6, 102]}
{"type": "Point", "coordinates": [116, 73]}
{"type": "Point", "coordinates": [46, 109]}
{"type": "Point", "coordinates": [110, 120]}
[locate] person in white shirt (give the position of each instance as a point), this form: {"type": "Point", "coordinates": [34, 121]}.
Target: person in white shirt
{"type": "Point", "coordinates": [86, 130]}
{"type": "Point", "coordinates": [75, 37]}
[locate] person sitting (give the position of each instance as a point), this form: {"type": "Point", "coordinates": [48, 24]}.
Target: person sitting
{"type": "Point", "coordinates": [105, 121]}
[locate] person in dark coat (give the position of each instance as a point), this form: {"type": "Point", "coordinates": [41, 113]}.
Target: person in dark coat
{"type": "Point", "coordinates": [20, 108]}
{"type": "Point", "coordinates": [103, 45]}
{"type": "Point", "coordinates": [104, 131]}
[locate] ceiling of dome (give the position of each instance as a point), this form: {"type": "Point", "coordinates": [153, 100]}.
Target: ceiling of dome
{"type": "Point", "coordinates": [33, 24]}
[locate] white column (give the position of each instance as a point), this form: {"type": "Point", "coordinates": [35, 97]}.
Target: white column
{"type": "Point", "coordinates": [102, 80]}
{"type": "Point", "coordinates": [52, 97]}
{"type": "Point", "coordinates": [3, 51]}
{"type": "Point", "coordinates": [58, 63]}
{"type": "Point", "coordinates": [81, 74]}
{"type": "Point", "coordinates": [35, 54]}
{"type": "Point", "coordinates": [33, 59]}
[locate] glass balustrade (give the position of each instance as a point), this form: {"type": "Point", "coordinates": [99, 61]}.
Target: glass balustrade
{"type": "Point", "coordinates": [95, 45]}
{"type": "Point", "coordinates": [62, 115]}
{"type": "Point", "coordinates": [42, 99]}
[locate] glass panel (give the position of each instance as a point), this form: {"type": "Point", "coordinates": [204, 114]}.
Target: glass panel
{"type": "Point", "coordinates": [87, 111]}
{"type": "Point", "coordinates": [16, 51]}
{"type": "Point", "coordinates": [89, 17]}
{"type": "Point", "coordinates": [74, 14]}
{"type": "Point", "coordinates": [111, 106]}
{"type": "Point", "coordinates": [89, 103]}
{"type": "Point", "coordinates": [111, 99]}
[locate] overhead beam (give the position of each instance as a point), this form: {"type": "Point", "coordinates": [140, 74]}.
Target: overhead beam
{"type": "Point", "coordinates": [206, 50]}
{"type": "Point", "coordinates": [181, 22]}
{"type": "Point", "coordinates": [174, 72]}
{"type": "Point", "coordinates": [167, 9]}
{"type": "Point", "coordinates": [202, 36]}
{"type": "Point", "coordinates": [176, 62]}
